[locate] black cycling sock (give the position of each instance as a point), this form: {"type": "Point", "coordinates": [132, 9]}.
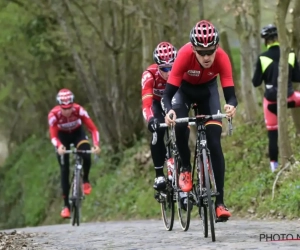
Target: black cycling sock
{"type": "Point", "coordinates": [66, 201]}
{"type": "Point", "coordinates": [182, 137]}
{"type": "Point", "coordinates": [64, 172]}
{"type": "Point", "coordinates": [213, 136]}
{"type": "Point", "coordinates": [158, 151]}
{"type": "Point", "coordinates": [187, 168]}
{"type": "Point", "coordinates": [273, 145]}
{"type": "Point", "coordinates": [159, 172]}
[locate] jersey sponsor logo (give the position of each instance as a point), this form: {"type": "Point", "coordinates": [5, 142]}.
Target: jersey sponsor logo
{"type": "Point", "coordinates": [158, 92]}
{"type": "Point", "coordinates": [193, 72]}
{"type": "Point", "coordinates": [145, 77]}
{"type": "Point", "coordinates": [210, 73]}
{"type": "Point", "coordinates": [69, 124]}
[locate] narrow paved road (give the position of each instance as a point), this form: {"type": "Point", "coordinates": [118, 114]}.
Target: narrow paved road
{"type": "Point", "coordinates": [150, 234]}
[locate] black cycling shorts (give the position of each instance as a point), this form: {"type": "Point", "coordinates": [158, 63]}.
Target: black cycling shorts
{"type": "Point", "coordinates": [206, 96]}
{"type": "Point", "coordinates": [74, 137]}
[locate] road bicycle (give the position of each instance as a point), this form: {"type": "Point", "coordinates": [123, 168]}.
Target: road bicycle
{"type": "Point", "coordinates": [172, 193]}
{"type": "Point", "coordinates": [76, 190]}
{"type": "Point", "coordinates": [204, 186]}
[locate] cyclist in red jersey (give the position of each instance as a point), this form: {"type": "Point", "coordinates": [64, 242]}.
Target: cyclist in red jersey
{"type": "Point", "coordinates": [65, 127]}
{"type": "Point", "coordinates": [193, 79]}
{"type": "Point", "coordinates": [154, 80]}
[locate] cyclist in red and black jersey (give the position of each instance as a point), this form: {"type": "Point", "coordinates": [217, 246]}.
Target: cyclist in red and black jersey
{"type": "Point", "coordinates": [193, 79]}
{"type": "Point", "coordinates": [154, 80]}
{"type": "Point", "coordinates": [65, 127]}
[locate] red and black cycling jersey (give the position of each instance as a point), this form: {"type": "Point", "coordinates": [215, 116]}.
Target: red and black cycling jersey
{"type": "Point", "coordinates": [187, 69]}
{"type": "Point", "coordinates": [153, 86]}
{"type": "Point", "coordinates": [58, 122]}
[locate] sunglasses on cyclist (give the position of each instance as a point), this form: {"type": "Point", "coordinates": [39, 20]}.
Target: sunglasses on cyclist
{"type": "Point", "coordinates": [205, 52]}
{"type": "Point", "coordinates": [165, 69]}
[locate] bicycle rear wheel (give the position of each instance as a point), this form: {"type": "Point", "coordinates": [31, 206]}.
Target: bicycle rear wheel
{"type": "Point", "coordinates": [209, 199]}
{"type": "Point", "coordinates": [167, 206]}
{"type": "Point", "coordinates": [184, 203]}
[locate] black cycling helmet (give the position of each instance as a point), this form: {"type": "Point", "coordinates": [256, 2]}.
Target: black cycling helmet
{"type": "Point", "coordinates": [268, 31]}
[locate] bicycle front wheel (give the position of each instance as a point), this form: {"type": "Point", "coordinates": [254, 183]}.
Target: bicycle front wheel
{"type": "Point", "coordinates": [167, 207]}
{"type": "Point", "coordinates": [209, 199]}
{"type": "Point", "coordinates": [184, 203]}
{"type": "Point", "coordinates": [76, 201]}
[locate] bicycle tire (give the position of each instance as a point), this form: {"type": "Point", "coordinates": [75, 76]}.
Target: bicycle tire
{"type": "Point", "coordinates": [184, 224]}
{"type": "Point", "coordinates": [204, 218]}
{"type": "Point", "coordinates": [168, 203]}
{"type": "Point", "coordinates": [76, 199]}
{"type": "Point", "coordinates": [202, 210]}
{"type": "Point", "coordinates": [209, 199]}
{"type": "Point", "coordinates": [73, 213]}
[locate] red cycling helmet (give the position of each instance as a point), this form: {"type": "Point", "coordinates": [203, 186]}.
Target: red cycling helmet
{"type": "Point", "coordinates": [65, 98]}
{"type": "Point", "coordinates": [204, 34]}
{"type": "Point", "coordinates": [164, 54]}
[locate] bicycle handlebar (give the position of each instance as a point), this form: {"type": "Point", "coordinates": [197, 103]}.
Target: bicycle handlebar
{"type": "Point", "coordinates": [78, 151]}
{"type": "Point", "coordinates": [74, 151]}
{"type": "Point", "coordinates": [192, 121]}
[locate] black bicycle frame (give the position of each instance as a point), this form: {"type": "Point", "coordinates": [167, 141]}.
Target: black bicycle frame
{"type": "Point", "coordinates": [201, 144]}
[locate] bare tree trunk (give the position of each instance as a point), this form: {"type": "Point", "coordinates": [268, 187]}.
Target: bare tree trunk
{"type": "Point", "coordinates": [243, 31]}
{"type": "Point", "coordinates": [225, 45]}
{"type": "Point", "coordinates": [284, 144]}
{"type": "Point", "coordinates": [249, 101]}
{"type": "Point", "coordinates": [296, 46]}
{"type": "Point", "coordinates": [146, 29]}
{"type": "Point", "coordinates": [256, 17]}
{"type": "Point", "coordinates": [256, 41]}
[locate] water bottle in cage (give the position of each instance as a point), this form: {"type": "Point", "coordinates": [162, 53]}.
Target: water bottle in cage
{"type": "Point", "coordinates": [170, 166]}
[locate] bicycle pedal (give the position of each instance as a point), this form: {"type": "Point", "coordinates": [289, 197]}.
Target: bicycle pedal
{"type": "Point", "coordinates": [157, 197]}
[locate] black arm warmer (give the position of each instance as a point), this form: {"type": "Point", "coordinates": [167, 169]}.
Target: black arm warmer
{"type": "Point", "coordinates": [230, 97]}
{"type": "Point", "coordinates": [166, 100]}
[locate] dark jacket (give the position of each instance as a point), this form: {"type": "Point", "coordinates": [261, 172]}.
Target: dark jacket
{"type": "Point", "coordinates": [267, 68]}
